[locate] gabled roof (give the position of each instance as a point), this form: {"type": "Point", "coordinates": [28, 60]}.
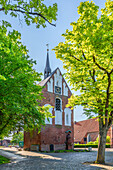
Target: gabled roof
{"type": "Point", "coordinates": [83, 127]}
{"type": "Point", "coordinates": [43, 82]}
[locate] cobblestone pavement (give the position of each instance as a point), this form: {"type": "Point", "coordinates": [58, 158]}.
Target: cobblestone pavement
{"type": "Point", "coordinates": [58, 161]}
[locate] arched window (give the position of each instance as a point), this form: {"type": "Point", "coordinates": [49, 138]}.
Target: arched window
{"type": "Point", "coordinates": [67, 119]}
{"type": "Point", "coordinates": [58, 111]}
{"type": "Point", "coordinates": [58, 104]}
{"type": "Point", "coordinates": [67, 112]}
{"type": "Point", "coordinates": [50, 85]}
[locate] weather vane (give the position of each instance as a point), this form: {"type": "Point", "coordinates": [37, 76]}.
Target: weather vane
{"type": "Point", "coordinates": [47, 47]}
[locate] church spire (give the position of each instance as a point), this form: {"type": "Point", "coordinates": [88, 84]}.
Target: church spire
{"type": "Point", "coordinates": [47, 70]}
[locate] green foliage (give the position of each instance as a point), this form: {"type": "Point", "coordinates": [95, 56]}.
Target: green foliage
{"type": "Point", "coordinates": [87, 54]}
{"type": "Point", "coordinates": [17, 137]}
{"type": "Point", "coordinates": [90, 142]}
{"type": "Point", "coordinates": [108, 139]}
{"type": "Point", "coordinates": [89, 145]}
{"type": "Point", "coordinates": [20, 95]}
{"type": "Point", "coordinates": [34, 11]}
{"type": "Point", "coordinates": [3, 160]}
{"type": "Point", "coordinates": [87, 57]}
{"type": "Point", "coordinates": [97, 140]}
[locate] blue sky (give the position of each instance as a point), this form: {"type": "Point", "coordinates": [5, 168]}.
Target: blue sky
{"type": "Point", "coordinates": [36, 39]}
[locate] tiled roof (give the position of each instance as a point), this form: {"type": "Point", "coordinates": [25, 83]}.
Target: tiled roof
{"type": "Point", "coordinates": [83, 127]}
{"type": "Point", "coordinates": [43, 82]}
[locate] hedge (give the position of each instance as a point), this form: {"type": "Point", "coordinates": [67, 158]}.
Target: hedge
{"type": "Point", "coordinates": [89, 145]}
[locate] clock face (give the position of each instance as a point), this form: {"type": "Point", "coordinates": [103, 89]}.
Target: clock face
{"type": "Point", "coordinates": [57, 90]}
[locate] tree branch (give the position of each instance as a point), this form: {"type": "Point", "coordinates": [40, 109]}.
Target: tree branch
{"type": "Point", "coordinates": [30, 13]}
{"type": "Point", "coordinates": [94, 60]}
{"type": "Point", "coordinates": [93, 76]}
{"type": "Point", "coordinates": [111, 71]}
{"type": "Point", "coordinates": [75, 58]}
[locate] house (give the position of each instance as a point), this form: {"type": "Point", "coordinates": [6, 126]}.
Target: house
{"type": "Point", "coordinates": [58, 133]}
{"type": "Point", "coordinates": [88, 130]}
{"type": "Point", "coordinates": [4, 142]}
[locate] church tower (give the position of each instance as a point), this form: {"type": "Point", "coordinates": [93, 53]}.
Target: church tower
{"type": "Point", "coordinates": [58, 133]}
{"type": "Point", "coordinates": [47, 70]}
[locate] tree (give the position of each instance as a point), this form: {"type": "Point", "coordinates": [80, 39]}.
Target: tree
{"type": "Point", "coordinates": [17, 137]}
{"type": "Point", "coordinates": [34, 11]}
{"type": "Point", "coordinates": [20, 95]}
{"type": "Point", "coordinates": [87, 54]}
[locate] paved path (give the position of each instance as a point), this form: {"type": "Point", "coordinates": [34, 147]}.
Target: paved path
{"type": "Point", "coordinates": [14, 157]}
{"type": "Point", "coordinates": [56, 161]}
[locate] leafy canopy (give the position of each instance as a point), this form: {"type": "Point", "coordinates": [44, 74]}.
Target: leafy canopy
{"type": "Point", "coordinates": [17, 137]}
{"type": "Point", "coordinates": [20, 95]}
{"type": "Point", "coordinates": [34, 11]}
{"type": "Point", "coordinates": [87, 54]}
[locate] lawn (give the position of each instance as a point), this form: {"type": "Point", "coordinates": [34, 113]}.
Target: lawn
{"type": "Point", "coordinates": [3, 160]}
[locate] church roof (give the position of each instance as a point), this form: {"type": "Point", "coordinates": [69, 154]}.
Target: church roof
{"type": "Point", "coordinates": [43, 82]}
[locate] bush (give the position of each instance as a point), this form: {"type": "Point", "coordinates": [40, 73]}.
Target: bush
{"type": "Point", "coordinates": [89, 145]}
{"type": "Point", "coordinates": [108, 139]}
{"type": "Point", "coordinates": [90, 142]}
{"type": "Point", "coordinates": [97, 140]}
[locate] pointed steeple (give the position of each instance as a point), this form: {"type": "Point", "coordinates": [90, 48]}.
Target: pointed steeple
{"type": "Point", "coordinates": [47, 70]}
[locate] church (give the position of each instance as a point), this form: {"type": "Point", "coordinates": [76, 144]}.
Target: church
{"type": "Point", "coordinates": [58, 134]}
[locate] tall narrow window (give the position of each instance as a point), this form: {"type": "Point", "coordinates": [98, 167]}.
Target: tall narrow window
{"type": "Point", "coordinates": [58, 111]}
{"type": "Point", "coordinates": [58, 104]}
{"type": "Point", "coordinates": [57, 83]}
{"type": "Point", "coordinates": [67, 116]}
{"type": "Point", "coordinates": [67, 119]}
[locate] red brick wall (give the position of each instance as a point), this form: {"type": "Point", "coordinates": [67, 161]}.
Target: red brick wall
{"type": "Point", "coordinates": [55, 134]}
{"type": "Point", "coordinates": [31, 138]}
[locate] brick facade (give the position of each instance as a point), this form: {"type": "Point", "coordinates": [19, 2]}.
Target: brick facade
{"type": "Point", "coordinates": [52, 134]}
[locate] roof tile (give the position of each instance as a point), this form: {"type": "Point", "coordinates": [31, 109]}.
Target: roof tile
{"type": "Point", "coordinates": [83, 127]}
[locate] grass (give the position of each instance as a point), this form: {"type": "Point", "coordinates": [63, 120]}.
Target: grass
{"type": "Point", "coordinates": [3, 160]}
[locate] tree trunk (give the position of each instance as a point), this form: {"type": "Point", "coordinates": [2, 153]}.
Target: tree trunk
{"type": "Point", "coordinates": [101, 145]}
